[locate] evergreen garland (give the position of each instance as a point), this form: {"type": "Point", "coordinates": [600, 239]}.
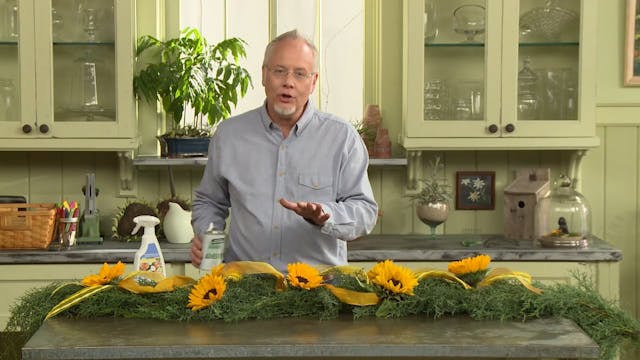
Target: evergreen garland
{"type": "Point", "coordinates": [255, 297]}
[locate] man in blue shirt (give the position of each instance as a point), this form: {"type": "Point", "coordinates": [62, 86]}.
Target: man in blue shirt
{"type": "Point", "coordinates": [294, 178]}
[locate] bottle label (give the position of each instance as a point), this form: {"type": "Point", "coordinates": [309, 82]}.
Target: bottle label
{"type": "Point", "coordinates": [212, 249]}
{"type": "Point", "coordinates": [150, 260]}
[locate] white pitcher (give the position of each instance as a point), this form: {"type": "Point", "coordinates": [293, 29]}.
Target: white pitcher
{"type": "Point", "coordinates": [177, 225]}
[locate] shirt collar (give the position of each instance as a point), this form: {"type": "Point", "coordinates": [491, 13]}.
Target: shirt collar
{"type": "Point", "coordinates": [300, 125]}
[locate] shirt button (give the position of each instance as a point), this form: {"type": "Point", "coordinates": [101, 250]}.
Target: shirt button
{"type": "Point", "coordinates": [281, 173]}
{"type": "Point", "coordinates": [282, 147]}
{"type": "Point", "coordinates": [276, 227]}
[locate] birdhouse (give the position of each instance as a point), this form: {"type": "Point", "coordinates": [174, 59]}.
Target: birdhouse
{"type": "Point", "coordinates": [520, 200]}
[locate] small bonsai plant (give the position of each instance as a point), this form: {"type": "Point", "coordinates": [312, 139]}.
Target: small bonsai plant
{"type": "Point", "coordinates": [187, 71]}
{"type": "Point", "coordinates": [435, 189]}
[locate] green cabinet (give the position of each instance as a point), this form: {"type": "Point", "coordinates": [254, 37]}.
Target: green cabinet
{"type": "Point", "coordinates": [69, 65]}
{"type": "Point", "coordinates": [499, 74]}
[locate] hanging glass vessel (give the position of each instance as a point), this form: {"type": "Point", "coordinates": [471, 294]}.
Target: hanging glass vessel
{"type": "Point", "coordinates": [563, 216]}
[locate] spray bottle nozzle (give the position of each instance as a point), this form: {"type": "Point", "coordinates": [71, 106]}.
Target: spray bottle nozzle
{"type": "Point", "coordinates": [146, 221]}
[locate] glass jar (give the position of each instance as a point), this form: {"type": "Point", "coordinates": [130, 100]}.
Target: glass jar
{"type": "Point", "coordinates": [563, 216]}
{"type": "Point", "coordinates": [435, 100]}
{"type": "Point", "coordinates": [528, 105]}
{"type": "Point", "coordinates": [8, 97]}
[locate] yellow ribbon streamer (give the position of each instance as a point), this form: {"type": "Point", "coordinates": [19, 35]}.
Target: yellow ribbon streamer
{"type": "Point", "coordinates": [235, 270]}
{"type": "Point", "coordinates": [353, 297]}
{"type": "Point", "coordinates": [75, 298]}
{"type": "Point", "coordinates": [425, 274]}
{"type": "Point", "coordinates": [131, 283]}
{"type": "Point", "coordinates": [503, 273]}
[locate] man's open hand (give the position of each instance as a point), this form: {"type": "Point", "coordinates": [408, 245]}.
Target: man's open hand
{"type": "Point", "coordinates": [310, 211]}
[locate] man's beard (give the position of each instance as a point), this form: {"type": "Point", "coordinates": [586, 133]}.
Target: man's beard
{"type": "Point", "coordinates": [284, 111]}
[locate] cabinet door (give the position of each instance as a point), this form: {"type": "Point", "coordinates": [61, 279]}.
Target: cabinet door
{"type": "Point", "coordinates": [17, 66]}
{"type": "Point", "coordinates": [84, 68]}
{"type": "Point", "coordinates": [466, 86]}
{"type": "Point", "coordinates": [450, 89]}
{"type": "Point", "coordinates": [553, 42]}
{"type": "Point", "coordinates": [71, 63]}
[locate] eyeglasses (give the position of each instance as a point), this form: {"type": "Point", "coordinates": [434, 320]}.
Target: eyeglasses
{"type": "Point", "coordinates": [282, 73]}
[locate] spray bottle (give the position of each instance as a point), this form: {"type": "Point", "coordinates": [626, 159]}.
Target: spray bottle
{"type": "Point", "coordinates": [149, 256]}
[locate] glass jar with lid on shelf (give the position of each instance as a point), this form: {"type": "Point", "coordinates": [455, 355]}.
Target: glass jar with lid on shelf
{"type": "Point", "coordinates": [563, 216]}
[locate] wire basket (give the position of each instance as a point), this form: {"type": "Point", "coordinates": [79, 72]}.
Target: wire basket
{"type": "Point", "coordinates": [548, 21]}
{"type": "Point", "coordinates": [27, 226]}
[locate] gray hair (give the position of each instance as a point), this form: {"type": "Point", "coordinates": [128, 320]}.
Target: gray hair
{"type": "Point", "coordinates": [291, 35]}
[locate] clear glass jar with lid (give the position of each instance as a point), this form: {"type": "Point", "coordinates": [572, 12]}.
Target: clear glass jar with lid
{"type": "Point", "coordinates": [563, 216]}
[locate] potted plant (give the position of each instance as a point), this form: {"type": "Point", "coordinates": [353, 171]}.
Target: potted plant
{"type": "Point", "coordinates": [432, 201]}
{"type": "Point", "coordinates": [187, 71]}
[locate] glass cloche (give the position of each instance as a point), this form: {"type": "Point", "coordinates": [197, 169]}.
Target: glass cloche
{"type": "Point", "coordinates": [564, 216]}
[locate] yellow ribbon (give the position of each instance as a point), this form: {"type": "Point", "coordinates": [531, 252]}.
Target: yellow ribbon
{"type": "Point", "coordinates": [353, 297]}
{"type": "Point", "coordinates": [162, 284]}
{"type": "Point", "coordinates": [503, 273]}
{"type": "Point", "coordinates": [235, 270]}
{"type": "Point", "coordinates": [425, 274]}
{"type": "Point", "coordinates": [75, 298]}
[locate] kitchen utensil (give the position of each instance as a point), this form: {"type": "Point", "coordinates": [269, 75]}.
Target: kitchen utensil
{"type": "Point", "coordinates": [90, 220]}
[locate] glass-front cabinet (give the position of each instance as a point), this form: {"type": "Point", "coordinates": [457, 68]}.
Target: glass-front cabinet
{"type": "Point", "coordinates": [65, 74]}
{"type": "Point", "coordinates": [499, 74]}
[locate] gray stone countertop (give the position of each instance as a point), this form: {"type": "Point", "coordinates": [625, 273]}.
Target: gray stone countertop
{"type": "Point", "coordinates": [369, 248]}
{"type": "Point", "coordinates": [344, 337]}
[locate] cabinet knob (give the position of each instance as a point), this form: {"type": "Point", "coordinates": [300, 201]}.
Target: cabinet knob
{"type": "Point", "coordinates": [44, 128]}
{"type": "Point", "coordinates": [493, 128]}
{"type": "Point", "coordinates": [509, 128]}
{"type": "Point", "coordinates": [26, 128]}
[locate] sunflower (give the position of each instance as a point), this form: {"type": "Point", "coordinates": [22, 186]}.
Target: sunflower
{"type": "Point", "coordinates": [470, 265]}
{"type": "Point", "coordinates": [471, 270]}
{"type": "Point", "coordinates": [105, 276]}
{"type": "Point", "coordinates": [207, 291]}
{"type": "Point", "coordinates": [394, 278]}
{"type": "Point", "coordinates": [303, 276]}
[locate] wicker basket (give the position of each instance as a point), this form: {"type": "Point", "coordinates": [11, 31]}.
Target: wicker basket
{"type": "Point", "coordinates": [27, 226]}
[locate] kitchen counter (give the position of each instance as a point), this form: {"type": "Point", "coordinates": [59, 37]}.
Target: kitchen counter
{"type": "Point", "coordinates": [460, 337]}
{"type": "Point", "coordinates": [370, 248]}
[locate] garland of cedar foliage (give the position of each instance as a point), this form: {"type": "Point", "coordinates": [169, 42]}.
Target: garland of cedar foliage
{"type": "Point", "coordinates": [232, 292]}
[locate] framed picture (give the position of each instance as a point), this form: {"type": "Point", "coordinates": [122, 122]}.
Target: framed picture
{"type": "Point", "coordinates": [475, 190]}
{"type": "Point", "coordinates": [632, 45]}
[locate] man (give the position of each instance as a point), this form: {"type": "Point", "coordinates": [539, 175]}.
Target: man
{"type": "Point", "coordinates": [294, 177]}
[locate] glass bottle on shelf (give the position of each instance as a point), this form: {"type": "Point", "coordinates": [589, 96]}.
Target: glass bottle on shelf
{"type": "Point", "coordinates": [528, 105]}
{"type": "Point", "coordinates": [11, 20]}
{"type": "Point", "coordinates": [57, 24]}
{"type": "Point", "coordinates": [430, 21]}
{"type": "Point", "coordinates": [84, 102]}
{"type": "Point", "coordinates": [8, 103]}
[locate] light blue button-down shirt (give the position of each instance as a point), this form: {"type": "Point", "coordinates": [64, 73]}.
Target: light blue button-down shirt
{"type": "Point", "coordinates": [251, 166]}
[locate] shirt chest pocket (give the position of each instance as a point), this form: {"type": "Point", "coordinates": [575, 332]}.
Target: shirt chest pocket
{"type": "Point", "coordinates": [314, 188]}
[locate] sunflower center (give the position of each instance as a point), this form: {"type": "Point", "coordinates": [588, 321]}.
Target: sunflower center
{"type": "Point", "coordinates": [212, 293]}
{"type": "Point", "coordinates": [396, 282]}
{"type": "Point", "coordinates": [302, 279]}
